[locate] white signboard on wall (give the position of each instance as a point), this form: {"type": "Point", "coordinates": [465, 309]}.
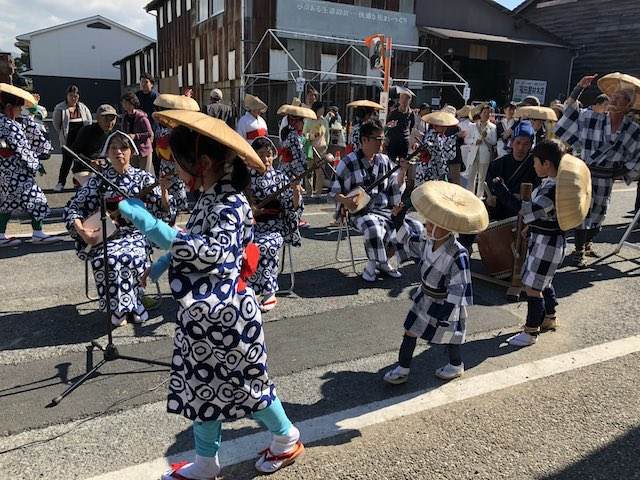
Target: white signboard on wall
{"type": "Point", "coordinates": [525, 88]}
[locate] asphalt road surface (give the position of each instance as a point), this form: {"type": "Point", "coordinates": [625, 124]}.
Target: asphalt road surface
{"type": "Point", "coordinates": [565, 408]}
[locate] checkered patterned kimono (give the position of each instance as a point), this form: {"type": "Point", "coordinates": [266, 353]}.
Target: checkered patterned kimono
{"type": "Point", "coordinates": [374, 222]}
{"type": "Point", "coordinates": [271, 234]}
{"type": "Point", "coordinates": [547, 244]}
{"type": "Point", "coordinates": [128, 249]}
{"type": "Point", "coordinates": [439, 310]}
{"type": "Point", "coordinates": [602, 149]}
{"type": "Point", "coordinates": [441, 150]}
{"type": "Point", "coordinates": [19, 165]}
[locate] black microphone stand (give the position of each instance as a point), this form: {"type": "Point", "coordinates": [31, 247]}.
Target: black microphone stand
{"type": "Point", "coordinates": [110, 351]}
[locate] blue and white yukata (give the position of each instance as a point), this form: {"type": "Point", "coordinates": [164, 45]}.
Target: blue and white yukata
{"type": "Point", "coordinates": [439, 310]}
{"type": "Point", "coordinates": [273, 231]}
{"type": "Point", "coordinates": [356, 143]}
{"type": "Point", "coordinates": [219, 366]}
{"type": "Point", "coordinates": [19, 165]}
{"type": "Point", "coordinates": [128, 250]}
{"type": "Point", "coordinates": [168, 167]}
{"type": "Point", "coordinates": [546, 244]}
{"type": "Point", "coordinates": [607, 154]}
{"type": "Point", "coordinates": [374, 222]}
{"type": "Point", "coordinates": [294, 161]}
{"type": "Point", "coordinates": [441, 151]}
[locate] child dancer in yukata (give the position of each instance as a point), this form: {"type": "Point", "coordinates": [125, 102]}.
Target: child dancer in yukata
{"type": "Point", "coordinates": [219, 366]}
{"type": "Point", "coordinates": [275, 224]}
{"type": "Point", "coordinates": [439, 311]}
{"type": "Point", "coordinates": [546, 245]}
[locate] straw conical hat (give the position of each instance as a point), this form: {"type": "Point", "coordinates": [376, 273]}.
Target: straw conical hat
{"type": "Point", "coordinates": [441, 119]}
{"type": "Point", "coordinates": [365, 104]}
{"type": "Point", "coordinates": [537, 113]}
{"type": "Point", "coordinates": [176, 102]}
{"type": "Point", "coordinates": [297, 111]}
{"type": "Point", "coordinates": [450, 206]}
{"type": "Point", "coordinates": [573, 192]}
{"type": "Point", "coordinates": [29, 99]}
{"type": "Point", "coordinates": [215, 129]}
{"type": "Point", "coordinates": [614, 82]}
{"type": "Point", "coordinates": [253, 103]}
{"type": "Point", "coordinates": [464, 111]}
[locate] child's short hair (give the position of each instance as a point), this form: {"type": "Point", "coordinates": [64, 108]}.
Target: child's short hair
{"type": "Point", "coordinates": [549, 150]}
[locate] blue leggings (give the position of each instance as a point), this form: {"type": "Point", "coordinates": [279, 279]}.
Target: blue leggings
{"type": "Point", "coordinates": [208, 435]}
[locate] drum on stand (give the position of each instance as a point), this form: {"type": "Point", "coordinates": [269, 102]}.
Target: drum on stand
{"type": "Point", "coordinates": [496, 245]}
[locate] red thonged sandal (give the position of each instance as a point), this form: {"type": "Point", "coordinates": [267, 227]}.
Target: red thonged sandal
{"type": "Point", "coordinates": [174, 475]}
{"type": "Point", "coordinates": [270, 463]}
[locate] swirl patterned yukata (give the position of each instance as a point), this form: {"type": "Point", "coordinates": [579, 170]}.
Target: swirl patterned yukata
{"type": "Point", "coordinates": [272, 233]}
{"type": "Point", "coordinates": [19, 165]}
{"type": "Point", "coordinates": [168, 167]}
{"type": "Point", "coordinates": [127, 250]}
{"type": "Point", "coordinates": [219, 365]}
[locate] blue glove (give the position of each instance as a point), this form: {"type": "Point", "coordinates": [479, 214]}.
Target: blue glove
{"type": "Point", "coordinates": [159, 266]}
{"type": "Point", "coordinates": [156, 230]}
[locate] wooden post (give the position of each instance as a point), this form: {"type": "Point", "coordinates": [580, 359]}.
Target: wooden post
{"type": "Point", "coordinates": [519, 248]}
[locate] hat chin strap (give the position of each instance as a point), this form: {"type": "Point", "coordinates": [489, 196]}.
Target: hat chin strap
{"type": "Point", "coordinates": [431, 235]}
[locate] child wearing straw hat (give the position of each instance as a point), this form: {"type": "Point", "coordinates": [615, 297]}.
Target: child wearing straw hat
{"type": "Point", "coordinates": [546, 245]}
{"type": "Point", "coordinates": [219, 366]}
{"type": "Point", "coordinates": [441, 147]}
{"type": "Point", "coordinates": [439, 311]}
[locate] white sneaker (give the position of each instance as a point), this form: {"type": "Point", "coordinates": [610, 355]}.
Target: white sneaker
{"type": "Point", "coordinates": [449, 372]}
{"type": "Point", "coordinates": [58, 188]}
{"type": "Point", "coordinates": [522, 339]}
{"type": "Point", "coordinates": [388, 270]}
{"type": "Point", "coordinates": [397, 376]}
{"type": "Point", "coordinates": [369, 272]}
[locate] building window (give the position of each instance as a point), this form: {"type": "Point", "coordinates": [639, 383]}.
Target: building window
{"type": "Point", "coordinates": [231, 65]}
{"type": "Point", "coordinates": [152, 61]}
{"type": "Point", "coordinates": [138, 73]}
{"type": "Point", "coordinates": [217, 7]}
{"type": "Point", "coordinates": [169, 11]}
{"type": "Point", "coordinates": [162, 74]}
{"type": "Point", "coordinates": [188, 5]}
{"type": "Point", "coordinates": [478, 52]}
{"type": "Point", "coordinates": [201, 72]}
{"type": "Point", "coordinates": [278, 65]}
{"type": "Point", "coordinates": [190, 75]}
{"type": "Point", "coordinates": [328, 64]}
{"type": "Point", "coordinates": [215, 69]}
{"type": "Point", "coordinates": [180, 82]}
{"type": "Point", "coordinates": [203, 10]}
{"type": "Point", "coordinates": [171, 72]}
{"type": "Point", "coordinates": [161, 16]}
{"type": "Point", "coordinates": [128, 71]}
{"type": "Point", "coordinates": [178, 8]}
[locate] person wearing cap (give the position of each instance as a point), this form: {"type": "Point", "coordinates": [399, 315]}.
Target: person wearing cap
{"type": "Point", "coordinates": [504, 129]}
{"type": "Point", "coordinates": [361, 169]}
{"type": "Point", "coordinates": [546, 245]}
{"type": "Point", "coordinates": [217, 109]}
{"type": "Point", "coordinates": [219, 369]}
{"type": "Point", "coordinates": [482, 139]}
{"type": "Point", "coordinates": [276, 223]}
{"type": "Point", "coordinates": [513, 170]}
{"type": "Point", "coordinates": [439, 311]}
{"type": "Point", "coordinates": [609, 144]}
{"type": "Point", "coordinates": [400, 124]}
{"type": "Point", "coordinates": [440, 148]}
{"type": "Point", "coordinates": [168, 167]}
{"type": "Point", "coordinates": [127, 249]}
{"type": "Point", "coordinates": [90, 141]}
{"type": "Point", "coordinates": [22, 143]}
{"type": "Point", "coordinates": [251, 125]}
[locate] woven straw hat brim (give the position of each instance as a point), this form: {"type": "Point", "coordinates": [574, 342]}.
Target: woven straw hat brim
{"type": "Point", "coordinates": [573, 192]}
{"type": "Point", "coordinates": [253, 103]}
{"type": "Point", "coordinates": [215, 129]}
{"type": "Point", "coordinates": [464, 111]}
{"type": "Point", "coordinates": [451, 207]}
{"type": "Point", "coordinates": [297, 112]}
{"type": "Point", "coordinates": [614, 82]}
{"type": "Point", "coordinates": [537, 113]}
{"type": "Point", "coordinates": [365, 104]}
{"type": "Point", "coordinates": [29, 99]}
{"type": "Point", "coordinates": [441, 119]}
{"type": "Point", "coordinates": [176, 102]}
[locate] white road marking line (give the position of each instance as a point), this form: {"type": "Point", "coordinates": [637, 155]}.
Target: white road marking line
{"type": "Point", "coordinates": [246, 448]}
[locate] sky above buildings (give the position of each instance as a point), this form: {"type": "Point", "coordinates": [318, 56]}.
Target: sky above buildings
{"type": "Point", "coordinates": [24, 16]}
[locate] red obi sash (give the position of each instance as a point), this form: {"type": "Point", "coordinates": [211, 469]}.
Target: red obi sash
{"type": "Point", "coordinates": [250, 258]}
{"type": "Point", "coordinates": [261, 132]}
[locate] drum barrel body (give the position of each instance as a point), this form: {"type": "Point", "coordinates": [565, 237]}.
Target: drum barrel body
{"type": "Point", "coordinates": [495, 245]}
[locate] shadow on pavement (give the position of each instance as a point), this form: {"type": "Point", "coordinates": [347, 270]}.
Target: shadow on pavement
{"type": "Point", "coordinates": [26, 248]}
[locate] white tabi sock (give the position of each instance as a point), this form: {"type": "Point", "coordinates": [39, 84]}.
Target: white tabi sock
{"type": "Point", "coordinates": [204, 468]}
{"type": "Point", "coordinates": [284, 443]}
